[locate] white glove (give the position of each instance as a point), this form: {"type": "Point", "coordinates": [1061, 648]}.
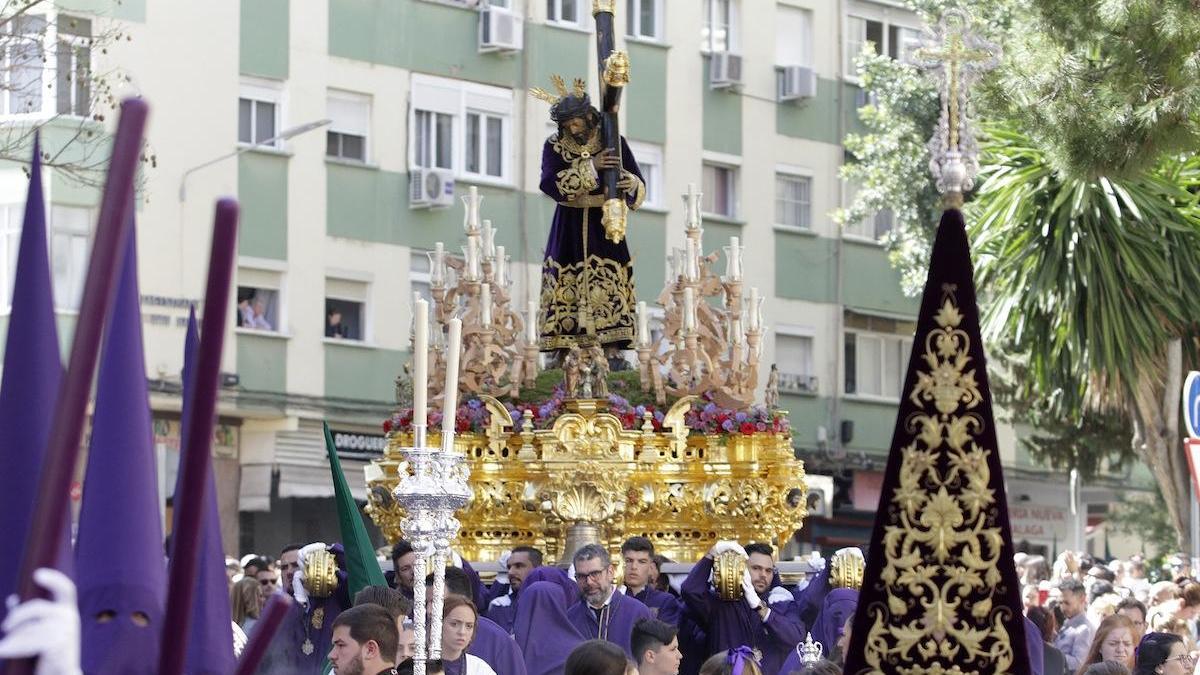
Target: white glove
{"type": "Point", "coordinates": [748, 593]}
{"type": "Point", "coordinates": [502, 576]}
{"type": "Point", "coordinates": [817, 562]}
{"type": "Point", "coordinates": [850, 550]}
{"type": "Point", "coordinates": [298, 590]}
{"type": "Point", "coordinates": [45, 629]}
{"type": "Point", "coordinates": [723, 546]}
{"type": "Point", "coordinates": [571, 572]}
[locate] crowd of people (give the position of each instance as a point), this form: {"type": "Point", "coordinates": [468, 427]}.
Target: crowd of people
{"type": "Point", "coordinates": [1083, 616]}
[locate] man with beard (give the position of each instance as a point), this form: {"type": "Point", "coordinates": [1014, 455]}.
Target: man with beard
{"type": "Point", "coordinates": [604, 613]}
{"type": "Point", "coordinates": [587, 279]}
{"type": "Point", "coordinates": [365, 640]}
{"type": "Point", "coordinates": [765, 619]}
{"type": "Point", "coordinates": [522, 561]}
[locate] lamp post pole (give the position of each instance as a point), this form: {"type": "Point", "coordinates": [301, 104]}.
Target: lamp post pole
{"type": "Point", "coordinates": [282, 136]}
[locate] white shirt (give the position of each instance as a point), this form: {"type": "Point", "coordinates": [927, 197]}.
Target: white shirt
{"type": "Point", "coordinates": [477, 666]}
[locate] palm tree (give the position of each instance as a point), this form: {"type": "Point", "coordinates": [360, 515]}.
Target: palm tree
{"type": "Point", "coordinates": [1094, 282]}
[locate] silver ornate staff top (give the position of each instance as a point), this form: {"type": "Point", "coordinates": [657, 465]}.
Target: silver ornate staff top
{"type": "Point", "coordinates": [958, 57]}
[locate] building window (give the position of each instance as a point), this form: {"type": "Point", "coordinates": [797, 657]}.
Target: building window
{"type": "Point", "coordinates": [22, 78]}
{"type": "Point", "coordinates": [563, 11]}
{"type": "Point", "coordinates": [70, 228]}
{"type": "Point", "coordinates": [650, 161]}
{"type": "Point", "coordinates": [643, 19]}
{"type": "Point", "coordinates": [485, 144]}
{"type": "Point", "coordinates": [351, 123]}
{"type": "Point", "coordinates": [874, 227]}
{"type": "Point", "coordinates": [720, 190]}
{"type": "Point", "coordinates": [720, 26]}
{"type": "Point", "coordinates": [462, 126]}
{"type": "Point", "coordinates": [434, 140]}
{"type": "Point", "coordinates": [259, 299]}
{"type": "Point", "coordinates": [793, 37]}
{"type": "Point", "coordinates": [794, 358]}
{"type": "Point", "coordinates": [11, 217]}
{"type": "Point", "coordinates": [419, 274]}
{"type": "Point", "coordinates": [73, 77]}
{"type": "Point", "coordinates": [876, 363]}
{"type": "Point", "coordinates": [258, 115]}
{"type": "Point", "coordinates": [898, 42]}
{"type": "Point", "coordinates": [793, 201]}
{"type": "Point", "coordinates": [345, 309]}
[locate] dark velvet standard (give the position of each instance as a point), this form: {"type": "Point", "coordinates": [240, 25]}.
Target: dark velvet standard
{"type": "Point", "coordinates": [940, 593]}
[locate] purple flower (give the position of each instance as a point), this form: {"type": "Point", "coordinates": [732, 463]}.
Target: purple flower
{"type": "Point", "coordinates": [728, 426]}
{"type": "Point", "coordinates": [740, 417]}
{"type": "Point", "coordinates": [761, 426]}
{"type": "Point", "coordinates": [475, 404]}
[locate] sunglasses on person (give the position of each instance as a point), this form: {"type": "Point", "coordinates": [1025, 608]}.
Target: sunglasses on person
{"type": "Point", "coordinates": [267, 582]}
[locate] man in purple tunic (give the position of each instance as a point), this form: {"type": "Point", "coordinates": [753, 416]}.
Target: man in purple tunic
{"type": "Point", "coordinates": [638, 555]}
{"type": "Point", "coordinates": [587, 279]}
{"type": "Point", "coordinates": [503, 608]}
{"type": "Point", "coordinates": [306, 634]}
{"type": "Point", "coordinates": [492, 643]}
{"type": "Point", "coordinates": [764, 619]}
{"type": "Point", "coordinates": [603, 613]}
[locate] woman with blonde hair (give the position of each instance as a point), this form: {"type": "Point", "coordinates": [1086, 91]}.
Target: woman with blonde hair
{"type": "Point", "coordinates": [1113, 642]}
{"type": "Point", "coordinates": [243, 603]}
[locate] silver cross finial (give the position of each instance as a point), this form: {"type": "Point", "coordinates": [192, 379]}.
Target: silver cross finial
{"type": "Point", "coordinates": [958, 57]}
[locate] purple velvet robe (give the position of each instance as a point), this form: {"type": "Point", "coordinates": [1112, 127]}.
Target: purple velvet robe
{"type": "Point", "coordinates": [503, 610]}
{"type": "Point", "coordinates": [582, 266]}
{"type": "Point", "coordinates": [286, 653]}
{"type": "Point", "coordinates": [731, 623]}
{"type": "Point", "coordinates": [619, 618]}
{"type": "Point", "coordinates": [557, 576]}
{"type": "Point", "coordinates": [543, 632]}
{"type": "Point", "coordinates": [838, 606]}
{"type": "Point", "coordinates": [494, 645]}
{"type": "Point", "coordinates": [662, 606]}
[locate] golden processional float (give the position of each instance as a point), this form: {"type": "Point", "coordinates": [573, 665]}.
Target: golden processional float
{"type": "Point", "coordinates": [675, 451]}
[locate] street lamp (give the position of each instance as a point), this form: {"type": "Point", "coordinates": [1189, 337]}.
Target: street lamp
{"type": "Point", "coordinates": [281, 136]}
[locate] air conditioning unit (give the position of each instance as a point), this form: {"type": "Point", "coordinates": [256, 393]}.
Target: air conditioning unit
{"type": "Point", "coordinates": [500, 30]}
{"type": "Point", "coordinates": [429, 188]}
{"type": "Point", "coordinates": [725, 70]}
{"type": "Point", "coordinates": [797, 82]}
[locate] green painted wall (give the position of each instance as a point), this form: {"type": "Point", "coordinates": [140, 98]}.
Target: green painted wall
{"type": "Point", "coordinates": [870, 282]}
{"type": "Point", "coordinates": [362, 373]}
{"type": "Point", "coordinates": [854, 125]}
{"type": "Point", "coordinates": [722, 118]}
{"type": "Point", "coordinates": [126, 10]}
{"type": "Point", "coordinates": [873, 424]}
{"type": "Point", "coordinates": [262, 362]}
{"type": "Point", "coordinates": [369, 204]}
{"type": "Point", "coordinates": [555, 51]}
{"type": "Point", "coordinates": [806, 414]}
{"type": "Point", "coordinates": [645, 97]}
{"type": "Point", "coordinates": [263, 40]}
{"type": "Point", "coordinates": [804, 267]}
{"type": "Point", "coordinates": [647, 237]}
{"type": "Point", "coordinates": [262, 193]}
{"type": "Point", "coordinates": [716, 236]}
{"type": "Point", "coordinates": [424, 36]}
{"type": "Point", "coordinates": [815, 119]}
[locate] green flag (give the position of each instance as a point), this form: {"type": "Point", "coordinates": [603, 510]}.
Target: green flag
{"type": "Point", "coordinates": [361, 567]}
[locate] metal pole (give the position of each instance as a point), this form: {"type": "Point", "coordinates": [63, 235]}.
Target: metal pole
{"type": "Point", "coordinates": [1195, 526]}
{"type": "Point", "coordinates": [1077, 511]}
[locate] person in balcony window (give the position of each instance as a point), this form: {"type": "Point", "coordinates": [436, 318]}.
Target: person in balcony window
{"type": "Point", "coordinates": [258, 318]}
{"type": "Point", "coordinates": [334, 328]}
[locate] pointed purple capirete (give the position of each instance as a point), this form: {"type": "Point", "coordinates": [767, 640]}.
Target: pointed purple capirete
{"type": "Point", "coordinates": [122, 577]}
{"type": "Point", "coordinates": [210, 645]}
{"type": "Point", "coordinates": [29, 389]}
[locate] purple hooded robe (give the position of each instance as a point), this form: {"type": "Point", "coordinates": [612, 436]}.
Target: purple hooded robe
{"type": "Point", "coordinates": [542, 630]}
{"type": "Point", "coordinates": [615, 623]}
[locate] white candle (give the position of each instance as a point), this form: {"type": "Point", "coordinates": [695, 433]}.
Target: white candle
{"type": "Point", "coordinates": [693, 261]}
{"type": "Point", "coordinates": [689, 309]}
{"type": "Point", "coordinates": [485, 305]}
{"type": "Point", "coordinates": [450, 397]}
{"type": "Point", "coordinates": [643, 324]}
{"type": "Point", "coordinates": [473, 257]}
{"type": "Point", "coordinates": [420, 361]}
{"type": "Point", "coordinates": [501, 268]}
{"type": "Point", "coordinates": [489, 240]}
{"type": "Point", "coordinates": [438, 273]}
{"type": "Point", "coordinates": [691, 202]}
{"type": "Point", "coordinates": [531, 331]}
{"type": "Point", "coordinates": [733, 267]}
{"type": "Point", "coordinates": [471, 221]}
{"type": "Point", "coordinates": [753, 314]}
{"type": "Point", "coordinates": [736, 329]}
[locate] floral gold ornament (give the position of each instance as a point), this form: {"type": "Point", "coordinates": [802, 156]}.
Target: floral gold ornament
{"type": "Point", "coordinates": [846, 569]}
{"type": "Point", "coordinates": [728, 569]}
{"type": "Point", "coordinates": [320, 574]}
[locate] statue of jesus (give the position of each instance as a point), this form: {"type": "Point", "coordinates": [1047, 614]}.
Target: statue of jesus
{"type": "Point", "coordinates": [587, 279]}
